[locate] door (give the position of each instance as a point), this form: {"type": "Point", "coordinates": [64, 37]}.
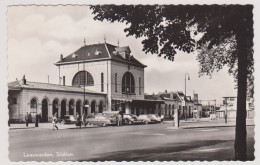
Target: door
{"type": "Point", "coordinates": [44, 111]}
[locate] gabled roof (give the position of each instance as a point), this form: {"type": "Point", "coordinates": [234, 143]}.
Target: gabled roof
{"type": "Point", "coordinates": [93, 52]}
{"type": "Point", "coordinates": [169, 96]}
{"type": "Point", "coordinates": [18, 85]}
{"type": "Point", "coordinates": [151, 97]}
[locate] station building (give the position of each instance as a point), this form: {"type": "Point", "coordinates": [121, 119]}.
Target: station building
{"type": "Point", "coordinates": [107, 77]}
{"type": "Point", "coordinates": [95, 78]}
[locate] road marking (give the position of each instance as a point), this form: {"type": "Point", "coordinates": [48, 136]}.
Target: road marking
{"type": "Point", "coordinates": [150, 134]}
{"type": "Point", "coordinates": [205, 130]}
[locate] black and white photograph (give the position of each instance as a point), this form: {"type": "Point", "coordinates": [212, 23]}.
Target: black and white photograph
{"type": "Point", "coordinates": [130, 82]}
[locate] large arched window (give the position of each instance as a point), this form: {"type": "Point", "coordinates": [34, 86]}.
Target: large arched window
{"type": "Point", "coordinates": [128, 83]}
{"type": "Point", "coordinates": [78, 79]}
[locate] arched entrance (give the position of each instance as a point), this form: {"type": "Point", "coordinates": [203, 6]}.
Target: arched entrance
{"type": "Point", "coordinates": [93, 106]}
{"type": "Point", "coordinates": [165, 109]}
{"type": "Point", "coordinates": [78, 107]}
{"type": "Point", "coordinates": [55, 107]}
{"type": "Point", "coordinates": [33, 107]}
{"type": "Point", "coordinates": [63, 108]}
{"type": "Point", "coordinates": [71, 107]}
{"type": "Point", "coordinates": [44, 110]}
{"type": "Point", "coordinates": [100, 107]}
{"type": "Point", "coordinates": [169, 110]}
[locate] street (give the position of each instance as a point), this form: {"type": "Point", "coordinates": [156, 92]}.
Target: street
{"type": "Point", "coordinates": [136, 142]}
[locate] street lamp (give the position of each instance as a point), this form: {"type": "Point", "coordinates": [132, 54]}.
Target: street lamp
{"type": "Point", "coordinates": [185, 95]}
{"type": "Point", "coordinates": [84, 97]}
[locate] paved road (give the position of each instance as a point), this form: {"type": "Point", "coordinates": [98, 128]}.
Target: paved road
{"type": "Point", "coordinates": [139, 142]}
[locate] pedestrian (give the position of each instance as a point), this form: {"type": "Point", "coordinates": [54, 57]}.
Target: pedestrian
{"type": "Point", "coordinates": [83, 118]}
{"type": "Point", "coordinates": [121, 113]}
{"type": "Point", "coordinates": [27, 119]}
{"type": "Point", "coordinates": [54, 121]}
{"type": "Point", "coordinates": [78, 122]}
{"type": "Point", "coordinates": [117, 120]}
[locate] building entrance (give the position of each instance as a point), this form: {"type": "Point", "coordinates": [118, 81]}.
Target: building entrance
{"type": "Point", "coordinates": [44, 111]}
{"type": "Point", "coordinates": [63, 109]}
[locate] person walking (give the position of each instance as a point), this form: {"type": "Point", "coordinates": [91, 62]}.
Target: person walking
{"type": "Point", "coordinates": [54, 121]}
{"type": "Point", "coordinates": [27, 119]}
{"type": "Point", "coordinates": [78, 122]}
{"type": "Point", "coordinates": [117, 120]}
{"type": "Point", "coordinates": [83, 118]}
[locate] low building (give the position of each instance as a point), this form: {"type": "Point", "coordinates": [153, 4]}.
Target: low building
{"type": "Point", "coordinates": [46, 99]}
{"type": "Point", "coordinates": [229, 107]}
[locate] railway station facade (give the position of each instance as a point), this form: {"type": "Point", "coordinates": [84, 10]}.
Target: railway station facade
{"type": "Point", "coordinates": [94, 78]}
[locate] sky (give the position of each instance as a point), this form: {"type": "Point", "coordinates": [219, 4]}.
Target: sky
{"type": "Point", "coordinates": [37, 35]}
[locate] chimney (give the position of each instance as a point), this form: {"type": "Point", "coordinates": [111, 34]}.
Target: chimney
{"type": "Point", "coordinates": [24, 80]}
{"type": "Point", "coordinates": [195, 97]}
{"type": "Point", "coordinates": [123, 51]}
{"type": "Point", "coordinates": [61, 57]}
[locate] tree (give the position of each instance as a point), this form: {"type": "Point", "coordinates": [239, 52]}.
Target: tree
{"type": "Point", "coordinates": [222, 33]}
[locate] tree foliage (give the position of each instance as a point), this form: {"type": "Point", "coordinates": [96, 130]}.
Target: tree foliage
{"type": "Point", "coordinates": [167, 28]}
{"type": "Point", "coordinates": [223, 35]}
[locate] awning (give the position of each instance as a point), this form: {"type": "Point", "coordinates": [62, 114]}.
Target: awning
{"type": "Point", "coordinates": [147, 101]}
{"type": "Point", "coordinates": [121, 100]}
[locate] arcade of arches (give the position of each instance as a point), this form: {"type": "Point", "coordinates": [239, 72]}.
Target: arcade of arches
{"type": "Point", "coordinates": [47, 108]}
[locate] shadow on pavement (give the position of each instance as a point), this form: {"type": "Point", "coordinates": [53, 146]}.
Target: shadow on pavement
{"type": "Point", "coordinates": [208, 150]}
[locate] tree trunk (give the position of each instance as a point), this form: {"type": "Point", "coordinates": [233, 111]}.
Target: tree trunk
{"type": "Point", "coordinates": [240, 137]}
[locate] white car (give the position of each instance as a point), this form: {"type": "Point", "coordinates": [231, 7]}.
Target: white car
{"type": "Point", "coordinates": [155, 117]}
{"type": "Point", "coordinates": [146, 119]}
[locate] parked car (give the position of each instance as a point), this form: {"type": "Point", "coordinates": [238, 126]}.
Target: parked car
{"type": "Point", "coordinates": [156, 117]}
{"type": "Point", "coordinates": [100, 119]}
{"type": "Point", "coordinates": [131, 119]}
{"type": "Point", "coordinates": [146, 119]}
{"type": "Point", "coordinates": [68, 119]}
{"type": "Point", "coordinates": [114, 116]}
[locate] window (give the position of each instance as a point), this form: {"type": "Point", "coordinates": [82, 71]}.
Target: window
{"type": "Point", "coordinates": [140, 92]}
{"type": "Point", "coordinates": [128, 83]}
{"type": "Point", "coordinates": [81, 78]}
{"type": "Point", "coordinates": [102, 82]}
{"type": "Point", "coordinates": [115, 82]}
{"type": "Point", "coordinates": [64, 80]}
{"type": "Point", "coordinates": [33, 103]}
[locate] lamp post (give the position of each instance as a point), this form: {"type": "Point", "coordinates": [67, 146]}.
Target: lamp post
{"type": "Point", "coordinates": [185, 95]}
{"type": "Point", "coordinates": [84, 106]}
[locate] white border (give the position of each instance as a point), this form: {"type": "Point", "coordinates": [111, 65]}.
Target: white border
{"type": "Point", "coordinates": [3, 64]}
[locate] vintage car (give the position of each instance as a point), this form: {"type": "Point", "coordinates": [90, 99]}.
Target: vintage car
{"type": "Point", "coordinates": [155, 117]}
{"type": "Point", "coordinates": [147, 119]}
{"type": "Point", "coordinates": [131, 119]}
{"type": "Point", "coordinates": [68, 119]}
{"type": "Point", "coordinates": [114, 115]}
{"type": "Point", "coordinates": [100, 119]}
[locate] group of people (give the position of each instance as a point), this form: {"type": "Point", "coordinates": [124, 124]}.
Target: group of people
{"type": "Point", "coordinates": [80, 119]}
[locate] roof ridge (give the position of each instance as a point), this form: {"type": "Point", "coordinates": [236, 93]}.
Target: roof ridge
{"type": "Point", "coordinates": [107, 50]}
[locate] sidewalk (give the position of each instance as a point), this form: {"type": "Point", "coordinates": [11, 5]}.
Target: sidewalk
{"type": "Point", "coordinates": [205, 122]}
{"type": "Point", "coordinates": [190, 123]}
{"type": "Point", "coordinates": [47, 126]}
